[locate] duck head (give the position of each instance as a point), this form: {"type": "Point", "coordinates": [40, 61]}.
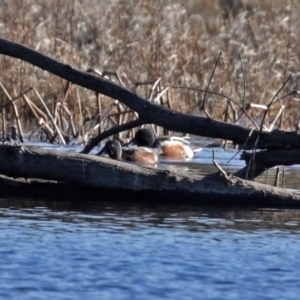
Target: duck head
{"type": "Point", "coordinates": [145, 138]}
{"type": "Point", "coordinates": [113, 149]}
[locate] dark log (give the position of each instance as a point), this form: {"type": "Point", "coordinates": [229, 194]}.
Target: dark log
{"type": "Point", "coordinates": [37, 189]}
{"type": "Point", "coordinates": [20, 187]}
{"type": "Point", "coordinates": [150, 112]}
{"type": "Point", "coordinates": [100, 174]}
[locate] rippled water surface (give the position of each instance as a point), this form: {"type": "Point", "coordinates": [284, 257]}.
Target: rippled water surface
{"type": "Point", "coordinates": [103, 251]}
{"type": "Point", "coordinates": [64, 250]}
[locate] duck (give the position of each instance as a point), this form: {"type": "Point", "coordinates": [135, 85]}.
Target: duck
{"type": "Point", "coordinates": [142, 155]}
{"type": "Point", "coordinates": [170, 148]}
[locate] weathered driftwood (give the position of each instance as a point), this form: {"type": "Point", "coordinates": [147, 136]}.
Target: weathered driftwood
{"type": "Point", "coordinates": [100, 174]}
{"type": "Point", "coordinates": [150, 112]}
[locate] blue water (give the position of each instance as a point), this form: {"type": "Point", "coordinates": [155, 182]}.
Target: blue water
{"type": "Point", "coordinates": [105, 251]}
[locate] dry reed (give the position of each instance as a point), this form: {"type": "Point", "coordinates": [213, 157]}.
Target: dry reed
{"type": "Point", "coordinates": [140, 41]}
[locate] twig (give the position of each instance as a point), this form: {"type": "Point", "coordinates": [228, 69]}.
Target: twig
{"type": "Point", "coordinates": [226, 112]}
{"type": "Point", "coordinates": [169, 100]}
{"type": "Point", "coordinates": [15, 111]}
{"type": "Point", "coordinates": [283, 177]}
{"type": "Point", "coordinates": [14, 99]}
{"type": "Point", "coordinates": [252, 157]}
{"type": "Point", "coordinates": [95, 71]}
{"type": "Point", "coordinates": [3, 124]}
{"type": "Point", "coordinates": [34, 109]}
{"type": "Point", "coordinates": [218, 94]}
{"type": "Point", "coordinates": [41, 117]}
{"type": "Point", "coordinates": [277, 117]}
{"type": "Point", "coordinates": [222, 171]}
{"type": "Point", "coordinates": [70, 116]}
{"type": "Point", "coordinates": [105, 73]}
{"type": "Point", "coordinates": [210, 79]}
{"type": "Point", "coordinates": [66, 91]}
{"type": "Point", "coordinates": [276, 176]}
{"type": "Point", "coordinates": [161, 94]}
{"type": "Point", "coordinates": [250, 164]}
{"type": "Point", "coordinates": [154, 85]}
{"type": "Point", "coordinates": [99, 105]}
{"type": "Point", "coordinates": [80, 111]}
{"type": "Point", "coordinates": [50, 116]}
{"type": "Point", "coordinates": [270, 104]}
{"type": "Point", "coordinates": [241, 147]}
{"type": "Point", "coordinates": [244, 78]}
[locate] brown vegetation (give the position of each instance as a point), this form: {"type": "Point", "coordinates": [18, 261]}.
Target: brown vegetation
{"type": "Point", "coordinates": [226, 60]}
{"type": "Point", "coordinates": [177, 41]}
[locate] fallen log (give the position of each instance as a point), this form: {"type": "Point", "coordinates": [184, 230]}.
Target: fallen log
{"type": "Point", "coordinates": [100, 175]}
{"type": "Point", "coordinates": [150, 112]}
{"type": "Point", "coordinates": [35, 188]}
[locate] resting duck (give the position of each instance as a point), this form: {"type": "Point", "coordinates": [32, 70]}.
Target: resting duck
{"type": "Point", "coordinates": [141, 155]}
{"type": "Point", "coordinates": [169, 148]}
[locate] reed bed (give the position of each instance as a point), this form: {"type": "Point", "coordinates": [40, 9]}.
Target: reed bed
{"type": "Point", "coordinates": [168, 51]}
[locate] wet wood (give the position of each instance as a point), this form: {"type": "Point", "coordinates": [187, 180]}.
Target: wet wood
{"type": "Point", "coordinates": [100, 174]}
{"type": "Point", "coordinates": [150, 112]}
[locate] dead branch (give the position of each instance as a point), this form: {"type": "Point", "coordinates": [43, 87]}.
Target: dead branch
{"type": "Point", "coordinates": [148, 111]}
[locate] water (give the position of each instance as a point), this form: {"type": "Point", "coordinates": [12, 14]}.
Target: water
{"type": "Point", "coordinates": [69, 250]}
{"type": "Point", "coordinates": [60, 250]}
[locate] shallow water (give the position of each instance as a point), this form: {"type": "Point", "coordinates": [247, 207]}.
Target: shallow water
{"type": "Point", "coordinates": [64, 250]}
{"type": "Point", "coordinates": [68, 251]}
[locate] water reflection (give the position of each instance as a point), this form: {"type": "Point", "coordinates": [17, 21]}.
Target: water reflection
{"type": "Point", "coordinates": [124, 217]}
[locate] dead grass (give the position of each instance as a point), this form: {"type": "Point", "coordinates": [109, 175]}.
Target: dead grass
{"type": "Point", "coordinates": [178, 41]}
